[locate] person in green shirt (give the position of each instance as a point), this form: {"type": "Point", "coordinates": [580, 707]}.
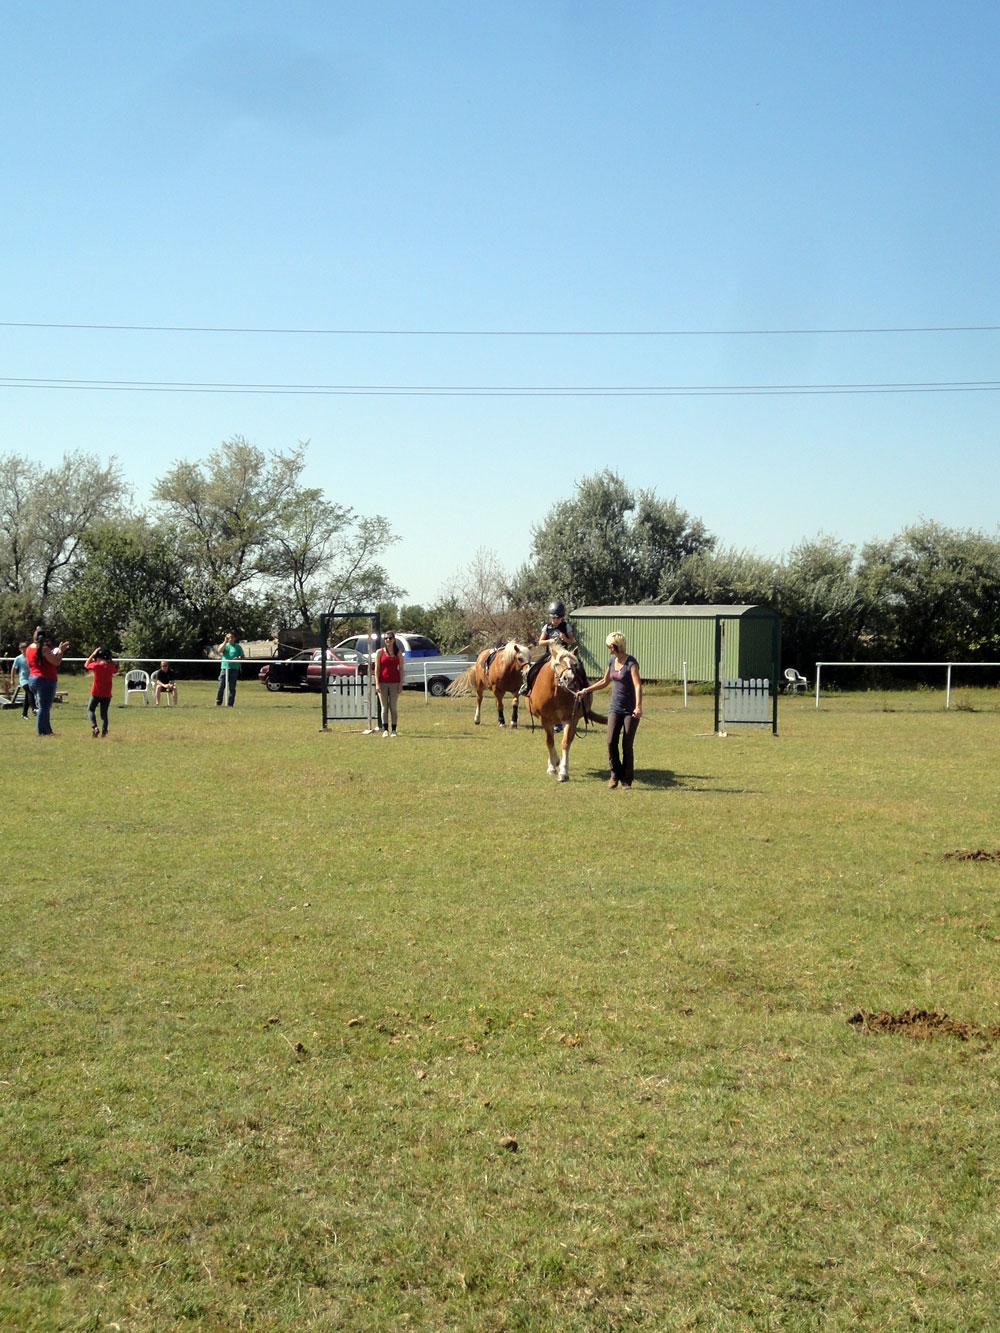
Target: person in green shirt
{"type": "Point", "coordinates": [231, 651]}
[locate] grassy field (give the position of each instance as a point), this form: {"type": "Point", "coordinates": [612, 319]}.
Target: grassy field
{"type": "Point", "coordinates": [309, 1030]}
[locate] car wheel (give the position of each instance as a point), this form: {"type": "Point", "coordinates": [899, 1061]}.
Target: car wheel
{"type": "Point", "coordinates": [273, 685]}
{"type": "Point", "coordinates": [438, 687]}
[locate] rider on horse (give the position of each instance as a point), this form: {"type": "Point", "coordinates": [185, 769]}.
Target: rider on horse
{"type": "Point", "coordinates": [556, 629]}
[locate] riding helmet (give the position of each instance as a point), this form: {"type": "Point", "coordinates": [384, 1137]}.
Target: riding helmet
{"type": "Point", "coordinates": [557, 609]}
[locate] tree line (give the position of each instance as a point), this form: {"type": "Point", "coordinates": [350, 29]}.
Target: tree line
{"type": "Point", "coordinates": [929, 593]}
{"type": "Point", "coordinates": [239, 542]}
{"type": "Point", "coordinates": [235, 542]}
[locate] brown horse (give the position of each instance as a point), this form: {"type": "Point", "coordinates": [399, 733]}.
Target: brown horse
{"type": "Point", "coordinates": [500, 670]}
{"type": "Point", "coordinates": [553, 699]}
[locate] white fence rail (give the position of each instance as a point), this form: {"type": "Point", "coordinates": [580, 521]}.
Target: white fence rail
{"type": "Point", "coordinates": [947, 666]}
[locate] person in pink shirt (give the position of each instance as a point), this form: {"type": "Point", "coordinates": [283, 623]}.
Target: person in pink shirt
{"type": "Point", "coordinates": [100, 663]}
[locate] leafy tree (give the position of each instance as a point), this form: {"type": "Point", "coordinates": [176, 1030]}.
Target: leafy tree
{"type": "Point", "coordinates": [822, 603]}
{"type": "Point", "coordinates": [124, 571]}
{"type": "Point", "coordinates": [446, 623]}
{"type": "Point", "coordinates": [933, 594]}
{"type": "Point", "coordinates": [19, 614]}
{"type": "Point", "coordinates": [127, 593]}
{"type": "Point", "coordinates": [44, 515]}
{"type": "Point", "coordinates": [607, 544]}
{"type": "Point", "coordinates": [258, 547]}
{"type": "Point", "coordinates": [720, 576]}
{"type": "Point", "coordinates": [226, 511]}
{"type": "Point", "coordinates": [352, 577]}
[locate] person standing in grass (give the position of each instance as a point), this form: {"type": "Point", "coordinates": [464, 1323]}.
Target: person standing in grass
{"type": "Point", "coordinates": [43, 664]}
{"type": "Point", "coordinates": [389, 680]}
{"type": "Point", "coordinates": [231, 652]}
{"type": "Point", "coordinates": [624, 711]}
{"type": "Point", "coordinates": [104, 670]}
{"type": "Point", "coordinates": [20, 674]}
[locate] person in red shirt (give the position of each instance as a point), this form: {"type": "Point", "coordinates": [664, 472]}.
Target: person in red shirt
{"type": "Point", "coordinates": [389, 680]}
{"type": "Point", "coordinates": [100, 663]}
{"type": "Point", "coordinates": [43, 663]}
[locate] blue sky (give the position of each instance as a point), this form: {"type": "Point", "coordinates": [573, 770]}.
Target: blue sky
{"type": "Point", "coordinates": [698, 169]}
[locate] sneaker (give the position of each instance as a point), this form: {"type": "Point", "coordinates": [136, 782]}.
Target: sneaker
{"type": "Point", "coordinates": [385, 735]}
{"type": "Point", "coordinates": [612, 782]}
{"type": "Point", "coordinates": [94, 731]}
{"type": "Point", "coordinates": [393, 735]}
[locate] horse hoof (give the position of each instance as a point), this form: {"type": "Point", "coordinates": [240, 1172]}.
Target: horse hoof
{"type": "Point", "coordinates": [562, 777]}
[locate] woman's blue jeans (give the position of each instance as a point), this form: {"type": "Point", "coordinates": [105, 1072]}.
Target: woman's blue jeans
{"type": "Point", "coordinates": [45, 694]}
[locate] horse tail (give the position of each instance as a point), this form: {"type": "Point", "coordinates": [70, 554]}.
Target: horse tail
{"type": "Point", "coordinates": [464, 685]}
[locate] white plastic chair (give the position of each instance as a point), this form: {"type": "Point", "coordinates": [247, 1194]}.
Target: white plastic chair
{"type": "Point", "coordinates": [795, 681]}
{"type": "Point", "coordinates": [137, 682]}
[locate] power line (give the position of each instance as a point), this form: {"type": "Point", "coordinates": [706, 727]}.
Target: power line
{"type": "Point", "coordinates": [504, 391]}
{"type": "Point", "coordinates": [503, 333]}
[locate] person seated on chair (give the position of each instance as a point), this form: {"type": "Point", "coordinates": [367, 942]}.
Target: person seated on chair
{"type": "Point", "coordinates": [556, 629]}
{"type": "Point", "coordinates": [165, 682]}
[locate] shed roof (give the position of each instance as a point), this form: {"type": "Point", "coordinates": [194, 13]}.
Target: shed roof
{"type": "Point", "coordinates": [673, 611]}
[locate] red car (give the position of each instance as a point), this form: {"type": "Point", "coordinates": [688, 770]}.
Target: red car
{"type": "Point", "coordinates": [335, 666]}
{"type": "Point", "coordinates": [302, 671]}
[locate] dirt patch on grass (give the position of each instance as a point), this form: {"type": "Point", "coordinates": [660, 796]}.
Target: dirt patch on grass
{"type": "Point", "coordinates": [978, 855]}
{"type": "Point", "coordinates": [921, 1024]}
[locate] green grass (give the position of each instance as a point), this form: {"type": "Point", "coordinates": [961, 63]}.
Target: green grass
{"type": "Point", "coordinates": [272, 1000]}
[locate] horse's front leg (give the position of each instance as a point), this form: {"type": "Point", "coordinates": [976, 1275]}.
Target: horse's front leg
{"type": "Point", "coordinates": [500, 717]}
{"type": "Point", "coordinates": [550, 741]}
{"type": "Point", "coordinates": [513, 714]}
{"type": "Point", "coordinates": [567, 741]}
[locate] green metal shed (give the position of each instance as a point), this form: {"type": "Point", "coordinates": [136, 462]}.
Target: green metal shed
{"type": "Point", "coordinates": [664, 638]}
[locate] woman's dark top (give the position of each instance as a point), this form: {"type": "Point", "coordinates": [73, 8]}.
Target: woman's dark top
{"type": "Point", "coordinates": [622, 685]}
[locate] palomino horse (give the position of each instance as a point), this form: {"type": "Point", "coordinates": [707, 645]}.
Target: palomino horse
{"type": "Point", "coordinates": [553, 699]}
{"type": "Point", "coordinates": [500, 670]}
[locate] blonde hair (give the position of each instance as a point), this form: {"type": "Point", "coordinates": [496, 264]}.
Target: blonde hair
{"type": "Point", "coordinates": [616, 642]}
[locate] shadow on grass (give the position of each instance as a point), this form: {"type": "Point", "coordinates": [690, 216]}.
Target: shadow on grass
{"type": "Point", "coordinates": [665, 779]}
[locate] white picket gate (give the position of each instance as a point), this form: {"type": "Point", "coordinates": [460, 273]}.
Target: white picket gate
{"type": "Point", "coordinates": [347, 699]}
{"type": "Point", "coordinates": [746, 703]}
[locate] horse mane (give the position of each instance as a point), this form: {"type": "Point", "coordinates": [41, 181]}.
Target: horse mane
{"type": "Point", "coordinates": [559, 652]}
{"type": "Point", "coordinates": [511, 653]}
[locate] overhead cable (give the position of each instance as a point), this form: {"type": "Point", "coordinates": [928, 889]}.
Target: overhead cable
{"type": "Point", "coordinates": [500, 333]}
{"type": "Point", "coordinates": [504, 390]}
